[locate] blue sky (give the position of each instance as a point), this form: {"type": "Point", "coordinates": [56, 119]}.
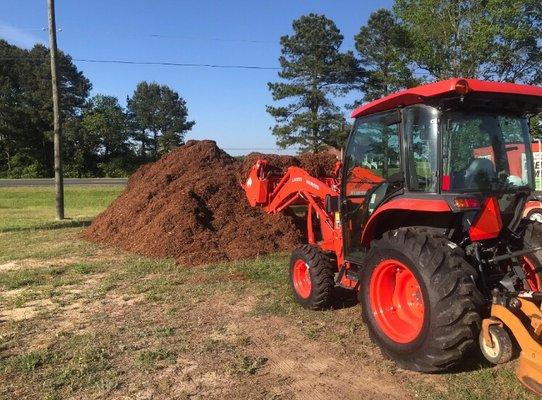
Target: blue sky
{"type": "Point", "coordinates": [227, 105]}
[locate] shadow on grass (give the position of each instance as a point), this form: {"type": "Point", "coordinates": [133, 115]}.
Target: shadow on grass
{"type": "Point", "coordinates": [475, 361]}
{"type": "Point", "coordinates": [68, 223]}
{"type": "Point", "coordinates": [344, 298]}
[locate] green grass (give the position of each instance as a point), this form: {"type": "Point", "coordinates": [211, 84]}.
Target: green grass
{"type": "Point", "coordinates": [248, 364]}
{"type": "Point", "coordinates": [34, 207]}
{"type": "Point", "coordinates": [155, 358]}
{"type": "Point", "coordinates": [48, 277]}
{"type": "Point", "coordinates": [143, 317]}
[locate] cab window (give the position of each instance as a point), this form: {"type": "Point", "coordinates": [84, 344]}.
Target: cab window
{"type": "Point", "coordinates": [373, 154]}
{"type": "Point", "coordinates": [421, 131]}
{"type": "Point", "coordinates": [372, 171]}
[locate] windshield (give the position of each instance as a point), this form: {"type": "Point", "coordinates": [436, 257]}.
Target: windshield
{"type": "Point", "coordinates": [485, 152]}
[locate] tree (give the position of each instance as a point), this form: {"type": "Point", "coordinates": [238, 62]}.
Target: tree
{"type": "Point", "coordinates": [81, 149]}
{"type": "Point", "coordinates": [516, 45]}
{"type": "Point", "coordinates": [105, 117]}
{"type": "Point", "coordinates": [97, 141]}
{"type": "Point", "coordinates": [536, 126]}
{"type": "Point", "coordinates": [159, 117]}
{"type": "Point", "coordinates": [11, 132]}
{"type": "Point", "coordinates": [383, 46]}
{"type": "Point", "coordinates": [447, 35]}
{"type": "Point", "coordinates": [314, 71]}
{"type": "Point", "coordinates": [26, 108]}
{"type": "Point", "coordinates": [490, 39]}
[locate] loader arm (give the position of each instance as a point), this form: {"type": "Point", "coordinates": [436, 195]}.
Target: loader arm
{"type": "Point", "coordinates": [275, 192]}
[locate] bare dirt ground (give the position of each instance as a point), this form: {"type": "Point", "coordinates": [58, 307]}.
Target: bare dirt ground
{"type": "Point", "coordinates": [102, 324]}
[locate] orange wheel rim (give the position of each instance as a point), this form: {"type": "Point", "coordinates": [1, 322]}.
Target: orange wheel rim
{"type": "Point", "coordinates": [396, 301]}
{"type": "Point", "coordinates": [302, 279]}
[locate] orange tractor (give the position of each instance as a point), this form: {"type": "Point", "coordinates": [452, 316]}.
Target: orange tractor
{"type": "Point", "coordinates": [423, 218]}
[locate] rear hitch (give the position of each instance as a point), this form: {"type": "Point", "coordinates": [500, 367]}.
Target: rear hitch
{"type": "Point", "coordinates": [514, 254]}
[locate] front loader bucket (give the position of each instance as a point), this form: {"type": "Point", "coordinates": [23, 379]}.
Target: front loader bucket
{"type": "Point", "coordinates": [528, 336]}
{"type": "Point", "coordinates": [257, 188]}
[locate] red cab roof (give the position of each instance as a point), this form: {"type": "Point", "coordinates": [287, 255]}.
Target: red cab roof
{"type": "Point", "coordinates": [423, 93]}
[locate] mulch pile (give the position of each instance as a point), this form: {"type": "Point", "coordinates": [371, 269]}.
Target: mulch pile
{"type": "Point", "coordinates": [189, 205]}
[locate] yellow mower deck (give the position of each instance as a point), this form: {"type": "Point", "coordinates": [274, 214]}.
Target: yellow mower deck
{"type": "Point", "coordinates": [527, 334]}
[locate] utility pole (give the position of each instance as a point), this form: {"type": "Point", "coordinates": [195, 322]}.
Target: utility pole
{"type": "Point", "coordinates": [59, 179]}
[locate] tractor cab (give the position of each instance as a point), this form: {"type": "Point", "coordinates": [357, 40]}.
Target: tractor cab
{"type": "Point", "coordinates": [434, 156]}
{"type": "Point", "coordinates": [425, 222]}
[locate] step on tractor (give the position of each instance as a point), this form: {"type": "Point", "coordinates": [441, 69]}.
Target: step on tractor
{"type": "Point", "coordinates": [423, 218]}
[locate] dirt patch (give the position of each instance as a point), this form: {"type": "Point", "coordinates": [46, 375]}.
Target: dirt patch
{"type": "Point", "coordinates": [189, 205]}
{"type": "Point", "coordinates": [30, 310]}
{"type": "Point", "coordinates": [308, 369]}
{"type": "Point", "coordinates": [35, 263]}
{"type": "Point", "coordinates": [9, 266]}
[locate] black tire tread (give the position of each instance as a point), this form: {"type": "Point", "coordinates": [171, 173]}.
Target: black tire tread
{"type": "Point", "coordinates": [532, 237]}
{"type": "Point", "coordinates": [455, 316]}
{"type": "Point", "coordinates": [533, 234]}
{"type": "Point", "coordinates": [322, 277]}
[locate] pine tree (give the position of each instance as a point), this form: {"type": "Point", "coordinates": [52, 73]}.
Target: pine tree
{"type": "Point", "coordinates": [314, 72]}
{"type": "Point", "coordinates": [383, 46]}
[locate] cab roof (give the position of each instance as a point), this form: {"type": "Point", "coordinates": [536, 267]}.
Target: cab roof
{"type": "Point", "coordinates": [455, 86]}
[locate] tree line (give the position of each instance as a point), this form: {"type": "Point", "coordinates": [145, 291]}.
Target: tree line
{"type": "Point", "coordinates": [101, 138]}
{"type": "Point", "coordinates": [417, 41]}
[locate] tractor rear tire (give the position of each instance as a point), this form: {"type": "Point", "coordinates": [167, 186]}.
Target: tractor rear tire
{"type": "Point", "coordinates": [312, 277]}
{"type": "Point", "coordinates": [532, 263]}
{"type": "Point", "coordinates": [419, 300]}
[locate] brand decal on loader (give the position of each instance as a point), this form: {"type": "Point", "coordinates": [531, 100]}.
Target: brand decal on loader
{"type": "Point", "coordinates": [312, 184]}
{"type": "Point", "coordinates": [308, 182]}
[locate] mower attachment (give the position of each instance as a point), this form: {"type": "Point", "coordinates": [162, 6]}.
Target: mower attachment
{"type": "Point", "coordinates": [494, 341]}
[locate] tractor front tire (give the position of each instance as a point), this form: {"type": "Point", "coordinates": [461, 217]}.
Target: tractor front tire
{"type": "Point", "coordinates": [419, 300]}
{"type": "Point", "coordinates": [312, 277]}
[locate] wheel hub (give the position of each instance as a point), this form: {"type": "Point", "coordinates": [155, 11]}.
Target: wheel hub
{"type": "Point", "coordinates": [302, 279]}
{"type": "Point", "coordinates": [396, 301]}
{"type": "Point", "coordinates": [491, 351]}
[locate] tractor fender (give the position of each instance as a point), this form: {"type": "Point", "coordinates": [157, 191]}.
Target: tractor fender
{"type": "Point", "coordinates": [532, 206]}
{"type": "Point", "coordinates": [411, 207]}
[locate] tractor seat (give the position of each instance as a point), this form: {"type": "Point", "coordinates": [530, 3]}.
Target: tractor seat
{"type": "Point", "coordinates": [479, 173]}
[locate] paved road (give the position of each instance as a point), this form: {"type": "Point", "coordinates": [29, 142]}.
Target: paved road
{"type": "Point", "coordinates": [67, 182]}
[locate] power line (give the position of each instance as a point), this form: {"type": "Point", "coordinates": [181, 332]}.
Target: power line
{"type": "Point", "coordinates": [174, 64]}
{"type": "Point", "coordinates": [201, 39]}
{"type": "Point", "coordinates": [12, 28]}
{"type": "Point", "coordinates": [160, 63]}
{"type": "Point", "coordinates": [151, 35]}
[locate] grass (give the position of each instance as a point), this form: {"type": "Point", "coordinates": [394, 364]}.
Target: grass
{"type": "Point", "coordinates": [152, 358]}
{"type": "Point", "coordinates": [34, 207]}
{"type": "Point", "coordinates": [118, 325]}
{"type": "Point", "coordinates": [249, 365]}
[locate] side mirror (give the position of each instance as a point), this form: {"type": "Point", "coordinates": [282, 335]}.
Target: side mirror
{"type": "Point", "coordinates": [332, 204]}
